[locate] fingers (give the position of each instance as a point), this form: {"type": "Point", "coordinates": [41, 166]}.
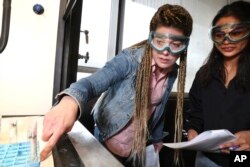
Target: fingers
{"type": "Point", "coordinates": [230, 146]}
{"type": "Point", "coordinates": [52, 131]}
{"type": "Point", "coordinates": [58, 120]}
{"type": "Point", "coordinates": [53, 128]}
{"type": "Point", "coordinates": [192, 134]}
{"type": "Point", "coordinates": [243, 147]}
{"type": "Point", "coordinates": [236, 145]}
{"type": "Point", "coordinates": [50, 145]}
{"type": "Point", "coordinates": [190, 137]}
{"type": "Point", "coordinates": [47, 133]}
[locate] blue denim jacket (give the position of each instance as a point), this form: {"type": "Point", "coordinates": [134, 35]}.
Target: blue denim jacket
{"type": "Point", "coordinates": [114, 109]}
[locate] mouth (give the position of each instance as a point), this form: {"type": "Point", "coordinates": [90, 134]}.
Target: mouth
{"type": "Point", "coordinates": [227, 49]}
{"type": "Point", "coordinates": [164, 60]}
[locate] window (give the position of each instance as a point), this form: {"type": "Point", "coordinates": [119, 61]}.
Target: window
{"type": "Point", "coordinates": [95, 20]}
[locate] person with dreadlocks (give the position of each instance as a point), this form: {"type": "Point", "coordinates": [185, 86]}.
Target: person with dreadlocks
{"type": "Point", "coordinates": [220, 94]}
{"type": "Point", "coordinates": [133, 87]}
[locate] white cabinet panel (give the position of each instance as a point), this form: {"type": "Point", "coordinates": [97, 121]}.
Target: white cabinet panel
{"type": "Point", "coordinates": [27, 63]}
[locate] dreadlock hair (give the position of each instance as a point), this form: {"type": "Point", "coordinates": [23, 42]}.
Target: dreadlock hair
{"type": "Point", "coordinates": [169, 16]}
{"type": "Point", "coordinates": [142, 95]}
{"type": "Point", "coordinates": [179, 106]}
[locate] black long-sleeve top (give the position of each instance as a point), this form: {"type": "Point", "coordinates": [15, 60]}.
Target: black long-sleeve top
{"type": "Point", "coordinates": [217, 107]}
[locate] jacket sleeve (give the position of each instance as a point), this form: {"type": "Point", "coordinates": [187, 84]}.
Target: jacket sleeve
{"type": "Point", "coordinates": [195, 113]}
{"type": "Point", "coordinates": [87, 88]}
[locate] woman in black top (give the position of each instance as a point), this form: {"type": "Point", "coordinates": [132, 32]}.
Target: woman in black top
{"type": "Point", "coordinates": [220, 94]}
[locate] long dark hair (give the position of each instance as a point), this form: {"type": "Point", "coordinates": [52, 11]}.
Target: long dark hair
{"type": "Point", "coordinates": [239, 10]}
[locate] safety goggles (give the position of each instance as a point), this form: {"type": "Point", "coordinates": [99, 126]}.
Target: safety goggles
{"type": "Point", "coordinates": [231, 32]}
{"type": "Point", "coordinates": [160, 43]}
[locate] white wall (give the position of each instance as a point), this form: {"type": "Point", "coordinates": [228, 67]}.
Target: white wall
{"type": "Point", "coordinates": [27, 63]}
{"type": "Point", "coordinates": [203, 12]}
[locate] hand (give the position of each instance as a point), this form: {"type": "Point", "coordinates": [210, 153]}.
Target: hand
{"type": "Point", "coordinates": [192, 134]}
{"type": "Point", "coordinates": [241, 143]}
{"type": "Point", "coordinates": [59, 120]}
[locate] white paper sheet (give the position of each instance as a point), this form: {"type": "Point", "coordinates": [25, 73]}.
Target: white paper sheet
{"type": "Point", "coordinates": [208, 141]}
{"type": "Point", "coordinates": [152, 157]}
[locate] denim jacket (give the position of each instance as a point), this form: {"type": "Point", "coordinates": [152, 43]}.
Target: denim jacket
{"type": "Point", "coordinates": [116, 82]}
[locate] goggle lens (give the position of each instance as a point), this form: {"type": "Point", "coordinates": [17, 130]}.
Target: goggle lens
{"type": "Point", "coordinates": [236, 33]}
{"type": "Point", "coordinates": [160, 43]}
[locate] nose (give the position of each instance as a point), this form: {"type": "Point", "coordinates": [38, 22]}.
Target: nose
{"type": "Point", "coordinates": [226, 40]}
{"type": "Point", "coordinates": [166, 52]}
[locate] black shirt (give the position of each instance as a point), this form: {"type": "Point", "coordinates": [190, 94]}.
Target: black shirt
{"type": "Point", "coordinates": [217, 107]}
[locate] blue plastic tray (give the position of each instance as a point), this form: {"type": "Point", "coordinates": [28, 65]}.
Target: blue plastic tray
{"type": "Point", "coordinates": [18, 155]}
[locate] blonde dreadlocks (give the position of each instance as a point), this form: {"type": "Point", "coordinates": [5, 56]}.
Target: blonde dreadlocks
{"type": "Point", "coordinates": [168, 16]}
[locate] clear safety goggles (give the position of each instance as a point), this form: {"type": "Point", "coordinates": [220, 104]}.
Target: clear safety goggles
{"type": "Point", "coordinates": [231, 32]}
{"type": "Point", "coordinates": [160, 42]}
